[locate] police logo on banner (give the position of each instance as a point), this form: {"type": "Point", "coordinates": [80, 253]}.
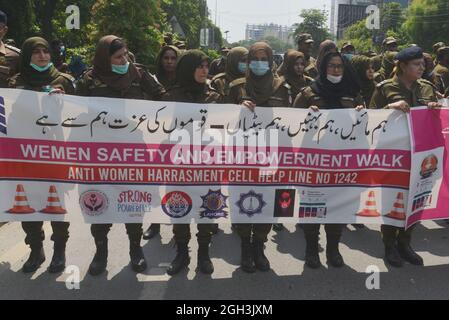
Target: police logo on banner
{"type": "Point", "coordinates": [93, 202]}
{"type": "Point", "coordinates": [2, 116]}
{"type": "Point", "coordinates": [250, 203]}
{"type": "Point", "coordinates": [214, 203]}
{"type": "Point", "coordinates": [176, 204]}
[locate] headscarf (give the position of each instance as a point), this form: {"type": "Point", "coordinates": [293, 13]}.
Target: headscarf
{"type": "Point", "coordinates": [361, 65]}
{"type": "Point", "coordinates": [260, 89]}
{"type": "Point", "coordinates": [325, 47]}
{"type": "Point", "coordinates": [287, 69]}
{"type": "Point", "coordinates": [330, 92]}
{"type": "Point", "coordinates": [103, 70]}
{"type": "Point", "coordinates": [160, 72]}
{"type": "Point", "coordinates": [185, 70]}
{"type": "Point", "coordinates": [31, 76]}
{"type": "Point", "coordinates": [232, 65]}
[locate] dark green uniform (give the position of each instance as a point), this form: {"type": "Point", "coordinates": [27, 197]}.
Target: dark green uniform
{"type": "Point", "coordinates": [137, 83]}
{"type": "Point", "coordinates": [9, 63]}
{"type": "Point", "coordinates": [311, 68]}
{"type": "Point", "coordinates": [306, 99]}
{"type": "Point", "coordinates": [441, 75]}
{"type": "Point", "coordinates": [177, 93]}
{"type": "Point", "coordinates": [390, 91]}
{"type": "Point", "coordinates": [30, 79]}
{"type": "Point", "coordinates": [144, 87]}
{"type": "Point", "coordinates": [387, 67]}
{"type": "Point", "coordinates": [281, 97]}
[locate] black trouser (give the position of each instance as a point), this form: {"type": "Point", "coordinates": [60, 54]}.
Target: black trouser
{"type": "Point", "coordinates": [35, 234]}
{"type": "Point", "coordinates": [182, 233]}
{"type": "Point", "coordinates": [258, 231]}
{"type": "Point", "coordinates": [313, 229]}
{"type": "Point", "coordinates": [392, 235]}
{"type": "Point", "coordinates": [100, 231]}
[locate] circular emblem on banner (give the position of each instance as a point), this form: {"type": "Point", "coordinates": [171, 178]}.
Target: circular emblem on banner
{"type": "Point", "coordinates": [428, 166]}
{"type": "Point", "coordinates": [251, 203]}
{"type": "Point", "coordinates": [93, 202]}
{"type": "Point", "coordinates": [176, 204]}
{"type": "Point", "coordinates": [214, 203]}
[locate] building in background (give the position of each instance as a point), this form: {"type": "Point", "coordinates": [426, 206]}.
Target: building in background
{"type": "Point", "coordinates": [260, 31]}
{"type": "Point", "coordinates": [344, 13]}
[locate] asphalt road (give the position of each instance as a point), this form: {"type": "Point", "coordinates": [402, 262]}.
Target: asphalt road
{"type": "Point", "coordinates": [288, 279]}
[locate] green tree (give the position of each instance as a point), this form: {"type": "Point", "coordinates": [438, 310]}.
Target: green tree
{"type": "Point", "coordinates": [138, 21]}
{"type": "Point", "coordinates": [428, 22]}
{"type": "Point", "coordinates": [359, 35]}
{"type": "Point", "coordinates": [313, 22]}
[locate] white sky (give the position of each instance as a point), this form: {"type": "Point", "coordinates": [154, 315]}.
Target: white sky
{"type": "Point", "coordinates": [233, 15]}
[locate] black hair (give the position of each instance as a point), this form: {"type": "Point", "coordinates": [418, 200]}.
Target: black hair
{"type": "Point", "coordinates": [116, 45]}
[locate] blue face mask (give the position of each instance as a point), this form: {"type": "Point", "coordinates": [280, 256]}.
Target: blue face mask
{"type": "Point", "coordinates": [242, 67]}
{"type": "Point", "coordinates": [120, 69]}
{"type": "Point", "coordinates": [348, 56]}
{"type": "Point", "coordinates": [41, 69]}
{"type": "Point", "coordinates": [259, 68]}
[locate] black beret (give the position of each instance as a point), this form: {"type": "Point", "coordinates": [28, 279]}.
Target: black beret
{"type": "Point", "coordinates": [3, 17]}
{"type": "Point", "coordinates": [409, 53]}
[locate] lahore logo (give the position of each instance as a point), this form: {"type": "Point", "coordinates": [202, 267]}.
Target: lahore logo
{"type": "Point", "coordinates": [428, 166]}
{"type": "Point", "coordinates": [93, 202]}
{"type": "Point", "coordinates": [176, 204]}
{"type": "Point", "coordinates": [251, 203]}
{"type": "Point", "coordinates": [214, 205]}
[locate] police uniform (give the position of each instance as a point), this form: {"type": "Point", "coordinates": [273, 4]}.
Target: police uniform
{"type": "Point", "coordinates": [397, 240]}
{"type": "Point", "coordinates": [253, 236]}
{"type": "Point", "coordinates": [142, 85]}
{"type": "Point", "coordinates": [305, 99]}
{"type": "Point", "coordinates": [309, 62]}
{"type": "Point", "coordinates": [33, 229]}
{"type": "Point", "coordinates": [282, 94]}
{"type": "Point", "coordinates": [9, 58]}
{"type": "Point", "coordinates": [441, 71]}
{"type": "Point", "coordinates": [9, 63]}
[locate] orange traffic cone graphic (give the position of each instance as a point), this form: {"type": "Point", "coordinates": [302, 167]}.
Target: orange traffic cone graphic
{"type": "Point", "coordinates": [21, 202]}
{"type": "Point", "coordinates": [398, 211]}
{"type": "Point", "coordinates": [370, 209]}
{"type": "Point", "coordinates": [53, 203]}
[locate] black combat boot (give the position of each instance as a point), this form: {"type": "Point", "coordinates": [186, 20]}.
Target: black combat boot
{"type": "Point", "coordinates": [260, 259]}
{"type": "Point", "coordinates": [312, 259]}
{"type": "Point", "coordinates": [333, 255]}
{"type": "Point", "coordinates": [153, 230]}
{"type": "Point", "coordinates": [181, 260]}
{"type": "Point", "coordinates": [247, 262]}
{"type": "Point", "coordinates": [57, 263]}
{"type": "Point", "coordinates": [278, 227]}
{"type": "Point", "coordinates": [138, 263]}
{"type": "Point", "coordinates": [204, 263]}
{"type": "Point", "coordinates": [100, 260]}
{"type": "Point", "coordinates": [214, 228]}
{"type": "Point", "coordinates": [36, 258]}
{"type": "Point", "coordinates": [408, 254]}
{"type": "Point", "coordinates": [392, 256]}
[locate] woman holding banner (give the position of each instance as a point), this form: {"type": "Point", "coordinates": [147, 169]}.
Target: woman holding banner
{"type": "Point", "coordinates": [405, 90]}
{"type": "Point", "coordinates": [262, 88]}
{"type": "Point", "coordinates": [192, 86]}
{"type": "Point", "coordinates": [113, 76]}
{"type": "Point", "coordinates": [37, 73]}
{"type": "Point", "coordinates": [334, 88]}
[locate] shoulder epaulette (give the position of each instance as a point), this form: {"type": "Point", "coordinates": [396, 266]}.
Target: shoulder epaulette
{"type": "Point", "coordinates": [218, 76]}
{"type": "Point", "coordinates": [237, 82]}
{"type": "Point", "coordinates": [16, 50]}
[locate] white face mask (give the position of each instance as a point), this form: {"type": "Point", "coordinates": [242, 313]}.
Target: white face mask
{"type": "Point", "coordinates": [334, 79]}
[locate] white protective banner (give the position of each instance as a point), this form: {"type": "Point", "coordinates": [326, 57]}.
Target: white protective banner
{"type": "Point", "coordinates": [117, 160]}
